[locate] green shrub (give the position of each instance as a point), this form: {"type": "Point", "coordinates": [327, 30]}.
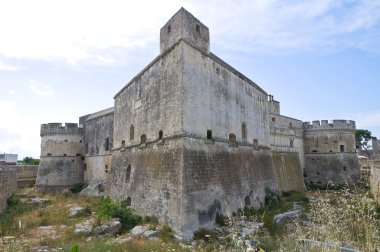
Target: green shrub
{"type": "Point", "coordinates": [119, 209]}
{"type": "Point", "coordinates": [220, 219]}
{"type": "Point", "coordinates": [74, 248]}
{"type": "Point", "coordinates": [271, 196]}
{"type": "Point", "coordinates": [166, 233]}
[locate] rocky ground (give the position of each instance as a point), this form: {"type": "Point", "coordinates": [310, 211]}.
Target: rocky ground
{"type": "Point", "coordinates": [319, 222]}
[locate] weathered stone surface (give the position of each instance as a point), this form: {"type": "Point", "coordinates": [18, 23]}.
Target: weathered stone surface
{"type": "Point", "coordinates": [109, 229]}
{"type": "Point", "coordinates": [84, 228]}
{"type": "Point", "coordinates": [75, 211]}
{"type": "Point", "coordinates": [38, 201]}
{"type": "Point", "coordinates": [8, 185]}
{"type": "Point", "coordinates": [94, 188]}
{"type": "Point", "coordinates": [151, 234]}
{"type": "Point", "coordinates": [138, 231]}
{"type": "Point", "coordinates": [375, 180]}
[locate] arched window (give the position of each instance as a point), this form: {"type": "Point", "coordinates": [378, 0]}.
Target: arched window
{"type": "Point", "coordinates": [244, 131]}
{"type": "Point", "coordinates": [291, 143]}
{"type": "Point", "coordinates": [128, 173]}
{"type": "Point", "coordinates": [247, 201]}
{"type": "Point", "coordinates": [131, 132]}
{"type": "Point", "coordinates": [143, 139]}
{"type": "Point", "coordinates": [232, 138]}
{"type": "Point", "coordinates": [160, 134]}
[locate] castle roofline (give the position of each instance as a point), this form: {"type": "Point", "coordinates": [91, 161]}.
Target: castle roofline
{"type": "Point", "coordinates": [211, 56]}
{"type": "Point", "coordinates": [100, 113]}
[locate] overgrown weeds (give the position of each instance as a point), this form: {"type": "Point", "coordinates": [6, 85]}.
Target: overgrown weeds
{"type": "Point", "coordinates": [119, 209]}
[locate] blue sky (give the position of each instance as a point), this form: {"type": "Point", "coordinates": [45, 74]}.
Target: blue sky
{"type": "Point", "coordinates": [63, 59]}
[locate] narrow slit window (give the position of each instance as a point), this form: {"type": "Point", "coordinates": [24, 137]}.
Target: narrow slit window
{"type": "Point", "coordinates": [291, 143]}
{"type": "Point", "coordinates": [123, 144]}
{"type": "Point", "coordinates": [106, 144]}
{"type": "Point", "coordinates": [131, 132]}
{"type": "Point", "coordinates": [169, 29]}
{"type": "Point", "coordinates": [129, 201]}
{"type": "Point", "coordinates": [244, 131]}
{"type": "Point", "coordinates": [128, 173]}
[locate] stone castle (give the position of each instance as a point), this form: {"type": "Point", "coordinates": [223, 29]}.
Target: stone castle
{"type": "Point", "coordinates": [190, 137]}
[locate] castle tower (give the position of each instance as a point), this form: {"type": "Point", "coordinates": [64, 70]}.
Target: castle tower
{"type": "Point", "coordinates": [330, 152]}
{"type": "Point", "coordinates": [184, 26]}
{"type": "Point", "coordinates": [61, 164]}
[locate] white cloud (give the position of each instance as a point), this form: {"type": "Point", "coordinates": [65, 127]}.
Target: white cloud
{"type": "Point", "coordinates": [20, 137]}
{"type": "Point", "coordinates": [8, 67]}
{"type": "Point", "coordinates": [98, 32]}
{"type": "Point", "coordinates": [40, 89]}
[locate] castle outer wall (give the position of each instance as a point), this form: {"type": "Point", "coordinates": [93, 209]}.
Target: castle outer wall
{"type": "Point", "coordinates": [8, 185]}
{"type": "Point", "coordinates": [98, 144]}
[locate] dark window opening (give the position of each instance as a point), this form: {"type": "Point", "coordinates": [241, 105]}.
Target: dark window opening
{"type": "Point", "coordinates": [169, 29]}
{"type": "Point", "coordinates": [344, 168]}
{"type": "Point", "coordinates": [107, 144]}
{"type": "Point", "coordinates": [49, 154]}
{"type": "Point", "coordinates": [123, 144]}
{"type": "Point", "coordinates": [317, 173]}
{"type": "Point", "coordinates": [72, 160]}
{"type": "Point", "coordinates": [129, 201]}
{"type": "Point", "coordinates": [247, 201]}
{"type": "Point", "coordinates": [85, 166]}
{"type": "Point", "coordinates": [64, 155]}
{"type": "Point", "coordinates": [131, 132]}
{"type": "Point", "coordinates": [290, 125]}
{"type": "Point", "coordinates": [198, 28]}
{"type": "Point", "coordinates": [143, 139]}
{"type": "Point", "coordinates": [291, 143]}
{"type": "Point", "coordinates": [66, 140]}
{"type": "Point", "coordinates": [160, 134]}
{"type": "Point", "coordinates": [232, 138]}
{"type": "Point", "coordinates": [78, 155]}
{"type": "Point", "coordinates": [106, 168]}
{"type": "Point", "coordinates": [341, 148]}
{"type": "Point", "coordinates": [80, 141]}
{"type": "Point", "coordinates": [315, 151]}
{"type": "Point", "coordinates": [244, 131]}
{"type": "Point", "coordinates": [255, 142]}
{"type": "Point", "coordinates": [273, 119]}
{"type": "Point", "coordinates": [82, 158]}
{"type": "Point", "coordinates": [128, 174]}
{"type": "Point", "coordinates": [209, 134]}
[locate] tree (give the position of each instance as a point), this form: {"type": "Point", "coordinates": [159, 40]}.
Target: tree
{"type": "Point", "coordinates": [362, 138]}
{"type": "Point", "coordinates": [30, 161]}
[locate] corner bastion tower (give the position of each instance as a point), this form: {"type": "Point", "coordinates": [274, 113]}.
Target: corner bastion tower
{"type": "Point", "coordinates": [61, 164]}
{"type": "Point", "coordinates": [191, 134]}
{"type": "Point", "coordinates": [190, 137]}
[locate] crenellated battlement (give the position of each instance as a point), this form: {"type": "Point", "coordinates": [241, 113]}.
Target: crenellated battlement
{"type": "Point", "coordinates": [330, 125]}
{"type": "Point", "coordinates": [57, 128]}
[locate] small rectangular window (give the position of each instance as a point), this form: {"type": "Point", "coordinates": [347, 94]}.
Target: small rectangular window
{"type": "Point", "coordinates": [341, 148]}
{"type": "Point", "coordinates": [198, 28]}
{"type": "Point", "coordinates": [209, 134]}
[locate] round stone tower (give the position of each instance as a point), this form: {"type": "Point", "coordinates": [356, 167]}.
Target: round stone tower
{"type": "Point", "coordinates": [62, 157]}
{"type": "Point", "coordinates": [330, 152]}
